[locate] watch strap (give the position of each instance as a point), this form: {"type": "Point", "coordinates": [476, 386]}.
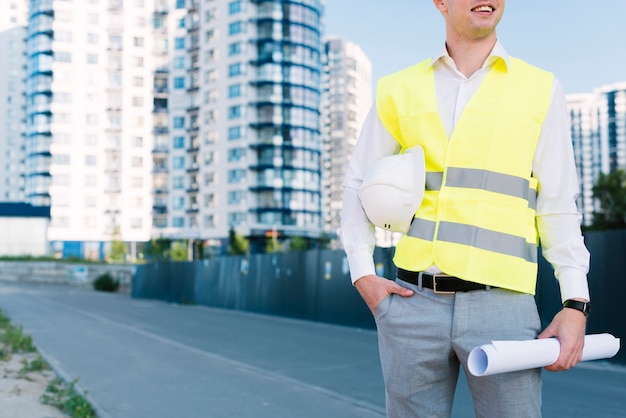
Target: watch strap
{"type": "Point", "coordinates": [584, 307]}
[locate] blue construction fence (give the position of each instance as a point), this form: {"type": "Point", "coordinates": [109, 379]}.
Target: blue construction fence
{"type": "Point", "coordinates": [315, 285]}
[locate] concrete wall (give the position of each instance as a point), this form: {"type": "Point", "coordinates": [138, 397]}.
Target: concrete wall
{"type": "Point", "coordinates": [61, 273]}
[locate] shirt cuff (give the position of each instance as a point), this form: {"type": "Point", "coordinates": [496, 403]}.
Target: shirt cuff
{"type": "Point", "coordinates": [361, 264]}
{"type": "Point", "coordinates": [573, 284]}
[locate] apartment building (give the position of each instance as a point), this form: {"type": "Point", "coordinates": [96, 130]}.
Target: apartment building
{"type": "Point", "coordinates": [13, 15]}
{"type": "Point", "coordinates": [89, 121]}
{"type": "Point", "coordinates": [598, 126]}
{"type": "Point", "coordinates": [243, 110]}
{"type": "Point", "coordinates": [180, 119]}
{"type": "Point", "coordinates": [346, 100]}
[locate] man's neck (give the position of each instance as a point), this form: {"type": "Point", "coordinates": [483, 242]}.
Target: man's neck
{"type": "Point", "coordinates": [469, 56]}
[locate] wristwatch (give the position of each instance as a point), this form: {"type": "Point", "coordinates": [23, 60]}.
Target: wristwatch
{"type": "Point", "coordinates": [584, 307]}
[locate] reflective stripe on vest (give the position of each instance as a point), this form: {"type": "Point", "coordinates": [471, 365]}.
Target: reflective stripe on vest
{"type": "Point", "coordinates": [477, 219]}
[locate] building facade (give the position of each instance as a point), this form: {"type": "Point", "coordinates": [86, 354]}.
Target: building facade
{"type": "Point", "coordinates": [243, 121]}
{"type": "Point", "coordinates": [180, 119]}
{"type": "Point", "coordinates": [13, 19]}
{"type": "Point", "coordinates": [347, 98]}
{"type": "Point", "coordinates": [89, 121]}
{"type": "Point", "coordinates": [598, 126]}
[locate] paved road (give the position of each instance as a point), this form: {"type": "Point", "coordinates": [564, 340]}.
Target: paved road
{"type": "Point", "coordinates": [141, 358]}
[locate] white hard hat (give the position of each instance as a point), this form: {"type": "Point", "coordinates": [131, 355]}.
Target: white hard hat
{"type": "Point", "coordinates": [393, 189]}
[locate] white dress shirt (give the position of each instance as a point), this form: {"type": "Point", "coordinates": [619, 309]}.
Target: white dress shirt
{"type": "Point", "coordinates": [558, 219]}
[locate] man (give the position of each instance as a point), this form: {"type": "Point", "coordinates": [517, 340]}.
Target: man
{"type": "Point", "coordinates": [499, 173]}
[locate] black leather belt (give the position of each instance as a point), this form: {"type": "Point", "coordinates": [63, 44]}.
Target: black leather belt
{"type": "Point", "coordinates": [440, 283]}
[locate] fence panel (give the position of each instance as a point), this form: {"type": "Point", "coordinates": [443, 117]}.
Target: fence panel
{"type": "Point", "coordinates": [315, 285]}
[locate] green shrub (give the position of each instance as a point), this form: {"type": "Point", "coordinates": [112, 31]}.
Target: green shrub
{"type": "Point", "coordinates": [65, 397]}
{"type": "Point", "coordinates": [35, 365]}
{"type": "Point", "coordinates": [106, 283]}
{"type": "Point", "coordinates": [16, 340]}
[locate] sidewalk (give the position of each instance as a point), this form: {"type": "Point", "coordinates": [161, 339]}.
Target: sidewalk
{"type": "Point", "coordinates": [143, 358]}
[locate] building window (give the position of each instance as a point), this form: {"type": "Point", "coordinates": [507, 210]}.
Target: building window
{"type": "Point", "coordinates": [234, 7]}
{"type": "Point", "coordinates": [236, 176]}
{"type": "Point", "coordinates": [179, 142]}
{"type": "Point", "coordinates": [235, 69]}
{"type": "Point", "coordinates": [178, 162]}
{"type": "Point", "coordinates": [236, 197]}
{"type": "Point", "coordinates": [179, 43]}
{"type": "Point", "coordinates": [179, 63]}
{"type": "Point", "coordinates": [209, 221]}
{"type": "Point", "coordinates": [209, 200]}
{"type": "Point", "coordinates": [234, 132]}
{"type": "Point", "coordinates": [178, 182]}
{"type": "Point", "coordinates": [180, 4]}
{"type": "Point", "coordinates": [235, 28]}
{"type": "Point", "coordinates": [234, 112]}
{"type": "Point", "coordinates": [234, 90]}
{"type": "Point", "coordinates": [138, 41]}
{"type": "Point", "coordinates": [63, 56]}
{"type": "Point", "coordinates": [61, 159]}
{"type": "Point", "coordinates": [91, 119]}
{"type": "Point", "coordinates": [236, 154]}
{"type": "Point", "coordinates": [90, 160]}
{"type": "Point", "coordinates": [136, 182]}
{"type": "Point", "coordinates": [135, 223]}
{"type": "Point", "coordinates": [178, 202]}
{"type": "Point", "coordinates": [179, 122]}
{"type": "Point", "coordinates": [92, 58]}
{"type": "Point", "coordinates": [178, 222]}
{"type": "Point", "coordinates": [234, 48]}
{"type": "Point", "coordinates": [179, 82]}
{"type": "Point", "coordinates": [237, 218]}
{"type": "Point", "coordinates": [136, 162]}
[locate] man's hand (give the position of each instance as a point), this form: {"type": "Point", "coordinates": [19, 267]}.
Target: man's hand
{"type": "Point", "coordinates": [374, 289]}
{"type": "Point", "coordinates": [568, 326]}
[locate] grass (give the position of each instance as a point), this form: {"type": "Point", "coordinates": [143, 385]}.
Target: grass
{"type": "Point", "coordinates": [59, 393]}
{"type": "Point", "coordinates": [64, 396]}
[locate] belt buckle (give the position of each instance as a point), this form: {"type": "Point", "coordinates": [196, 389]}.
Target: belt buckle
{"type": "Point", "coordinates": [441, 292]}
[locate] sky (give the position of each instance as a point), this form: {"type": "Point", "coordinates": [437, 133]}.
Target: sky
{"type": "Point", "coordinates": [582, 42]}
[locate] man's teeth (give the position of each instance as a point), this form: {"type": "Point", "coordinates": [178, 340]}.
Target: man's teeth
{"type": "Point", "coordinates": [483, 9]}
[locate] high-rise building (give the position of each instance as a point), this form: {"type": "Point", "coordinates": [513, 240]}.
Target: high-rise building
{"type": "Point", "coordinates": [12, 78]}
{"type": "Point", "coordinates": [180, 119]}
{"type": "Point", "coordinates": [347, 98]}
{"type": "Point", "coordinates": [89, 121]}
{"type": "Point", "coordinates": [243, 108]}
{"type": "Point", "coordinates": [598, 126]}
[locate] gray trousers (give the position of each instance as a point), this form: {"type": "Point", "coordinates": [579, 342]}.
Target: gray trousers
{"type": "Point", "coordinates": [424, 338]}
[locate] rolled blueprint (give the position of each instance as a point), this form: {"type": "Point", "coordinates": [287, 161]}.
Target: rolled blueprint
{"type": "Point", "coordinates": [508, 356]}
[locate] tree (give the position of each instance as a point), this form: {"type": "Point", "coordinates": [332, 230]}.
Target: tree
{"type": "Point", "coordinates": [237, 243]}
{"type": "Point", "coordinates": [610, 192]}
{"type": "Point", "coordinates": [178, 251]}
{"type": "Point", "coordinates": [298, 243]}
{"type": "Point", "coordinates": [118, 248]}
{"type": "Point", "coordinates": [159, 248]}
{"type": "Point", "coordinates": [272, 246]}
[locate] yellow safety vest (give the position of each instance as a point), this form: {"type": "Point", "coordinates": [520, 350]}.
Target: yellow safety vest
{"type": "Point", "coordinates": [477, 219]}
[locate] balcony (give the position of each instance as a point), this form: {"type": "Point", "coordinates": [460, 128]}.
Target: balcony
{"type": "Point", "coordinates": [194, 188]}
{"type": "Point", "coordinates": [194, 168]}
{"type": "Point", "coordinates": [159, 209]}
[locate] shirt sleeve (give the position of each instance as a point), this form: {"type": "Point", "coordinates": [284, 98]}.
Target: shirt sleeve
{"type": "Point", "coordinates": [357, 232]}
{"type": "Point", "coordinates": [558, 220]}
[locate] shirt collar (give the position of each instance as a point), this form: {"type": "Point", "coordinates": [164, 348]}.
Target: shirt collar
{"type": "Point", "coordinates": [498, 52]}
